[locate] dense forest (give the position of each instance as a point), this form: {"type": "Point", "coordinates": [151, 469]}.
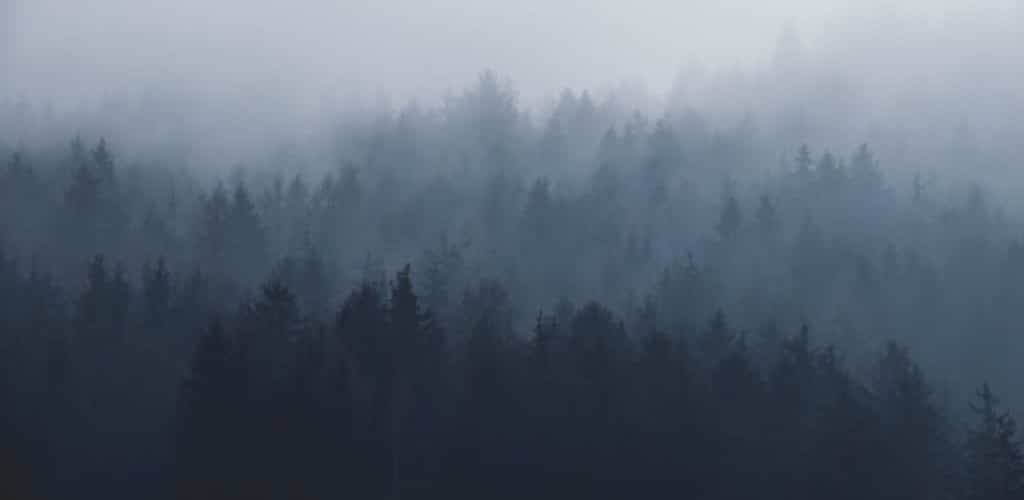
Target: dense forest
{"type": "Point", "coordinates": [477, 301]}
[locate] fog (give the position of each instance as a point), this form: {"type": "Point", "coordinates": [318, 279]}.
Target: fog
{"type": "Point", "coordinates": [534, 249]}
{"type": "Point", "coordinates": [406, 48]}
{"type": "Point", "coordinates": [263, 72]}
{"type": "Point", "coordinates": [409, 49]}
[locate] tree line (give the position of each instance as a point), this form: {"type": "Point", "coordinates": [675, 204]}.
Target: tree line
{"type": "Point", "coordinates": [601, 306]}
{"type": "Point", "coordinates": [154, 394]}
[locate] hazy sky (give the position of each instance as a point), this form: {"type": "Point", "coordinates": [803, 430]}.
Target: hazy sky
{"type": "Point", "coordinates": [70, 49]}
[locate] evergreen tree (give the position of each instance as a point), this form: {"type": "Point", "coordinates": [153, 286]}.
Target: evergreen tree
{"type": "Point", "coordinates": [864, 171]}
{"type": "Point", "coordinates": [830, 172]}
{"type": "Point", "coordinates": [804, 161]}
{"type": "Point", "coordinates": [246, 239]}
{"type": "Point", "coordinates": [845, 460]}
{"type": "Point", "coordinates": [212, 237]}
{"type": "Point", "coordinates": [417, 391]}
{"type": "Point", "coordinates": [484, 414]}
{"type": "Point", "coordinates": [994, 465]}
{"type": "Point", "coordinates": [367, 349]}
{"type": "Point", "coordinates": [156, 289]}
{"type": "Point", "coordinates": [207, 420]}
{"type": "Point", "coordinates": [794, 389]}
{"type": "Point", "coordinates": [919, 457]}
{"type": "Point", "coordinates": [717, 341]}
{"type": "Point", "coordinates": [103, 160]}
{"type": "Point", "coordinates": [731, 218]}
{"type": "Point", "coordinates": [737, 392]}
{"type": "Point", "coordinates": [767, 217]}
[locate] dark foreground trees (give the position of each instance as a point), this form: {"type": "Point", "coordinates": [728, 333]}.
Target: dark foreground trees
{"type": "Point", "coordinates": [385, 402]}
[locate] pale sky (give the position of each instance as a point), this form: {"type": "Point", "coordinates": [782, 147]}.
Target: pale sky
{"type": "Point", "coordinates": [82, 49]}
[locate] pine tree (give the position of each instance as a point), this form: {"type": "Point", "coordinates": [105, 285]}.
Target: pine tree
{"type": "Point", "coordinates": [717, 341]}
{"type": "Point", "coordinates": [482, 415]}
{"type": "Point", "coordinates": [804, 161]}
{"type": "Point", "coordinates": [794, 421]}
{"type": "Point", "coordinates": [246, 238]}
{"type": "Point", "coordinates": [212, 237]}
{"type": "Point", "coordinates": [103, 160]}
{"type": "Point", "coordinates": [156, 289]}
{"type": "Point", "coordinates": [767, 216]}
{"type": "Point", "coordinates": [207, 418]}
{"type": "Point", "coordinates": [274, 319]}
{"type": "Point", "coordinates": [730, 219]}
{"type": "Point", "coordinates": [82, 199]}
{"type": "Point", "coordinates": [845, 462]}
{"type": "Point", "coordinates": [830, 172]}
{"type": "Point", "coordinates": [361, 328]}
{"type": "Point", "coordinates": [418, 388]}
{"type": "Point", "coordinates": [598, 360]}
{"type": "Point", "coordinates": [95, 316]}
{"type": "Point", "coordinates": [864, 171]}
{"type": "Point", "coordinates": [538, 216]}
{"type": "Point", "coordinates": [994, 465]}
{"type": "Point", "coordinates": [918, 456]}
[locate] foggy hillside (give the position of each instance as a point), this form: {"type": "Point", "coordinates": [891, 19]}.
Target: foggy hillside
{"type": "Point", "coordinates": [541, 249]}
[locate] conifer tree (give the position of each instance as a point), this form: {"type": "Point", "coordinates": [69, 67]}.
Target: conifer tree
{"type": "Point", "coordinates": [994, 465]}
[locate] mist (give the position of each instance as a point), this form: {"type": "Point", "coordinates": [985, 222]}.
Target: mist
{"type": "Point", "coordinates": [408, 50]}
{"type": "Point", "coordinates": [463, 249]}
{"type": "Point", "coordinates": [404, 48]}
{"type": "Point", "coordinates": [257, 73]}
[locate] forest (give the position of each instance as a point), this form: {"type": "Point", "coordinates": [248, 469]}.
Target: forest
{"type": "Point", "coordinates": [471, 301]}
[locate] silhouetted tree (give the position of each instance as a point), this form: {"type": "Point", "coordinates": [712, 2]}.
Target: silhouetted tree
{"type": "Point", "coordinates": [994, 464]}
{"type": "Point", "coordinates": [207, 427]}
{"type": "Point", "coordinates": [731, 219]}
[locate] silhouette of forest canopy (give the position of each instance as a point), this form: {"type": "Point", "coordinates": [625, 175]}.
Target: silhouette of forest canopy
{"type": "Point", "coordinates": [472, 305]}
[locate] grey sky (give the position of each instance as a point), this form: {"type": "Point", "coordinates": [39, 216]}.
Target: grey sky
{"type": "Point", "coordinates": [73, 49]}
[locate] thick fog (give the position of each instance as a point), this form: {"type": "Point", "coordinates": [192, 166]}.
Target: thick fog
{"type": "Point", "coordinates": [268, 72]}
{"type": "Point", "coordinates": [532, 249]}
{"type": "Point", "coordinates": [418, 49]}
{"type": "Point", "coordinates": [411, 49]}
{"type": "Point", "coordinates": [406, 48]}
